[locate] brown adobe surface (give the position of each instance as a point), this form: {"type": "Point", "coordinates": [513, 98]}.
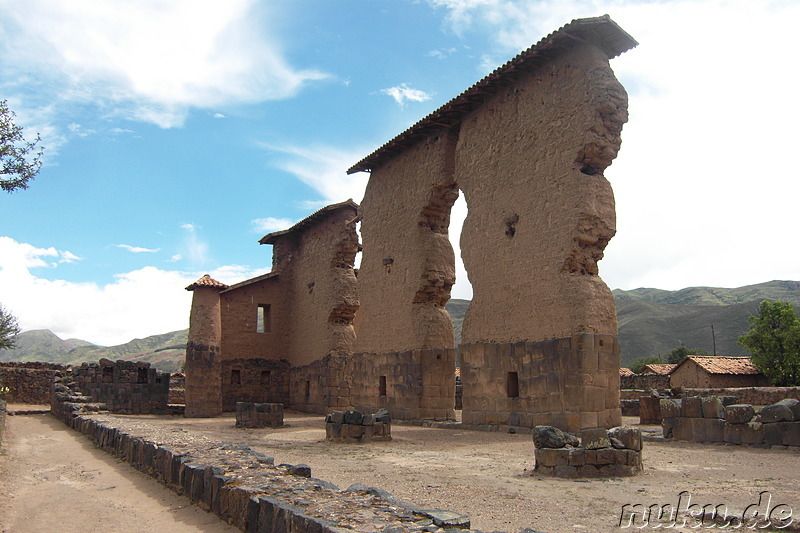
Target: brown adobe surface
{"type": "Point", "coordinates": [485, 474]}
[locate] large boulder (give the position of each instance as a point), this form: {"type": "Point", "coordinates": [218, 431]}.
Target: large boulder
{"type": "Point", "coordinates": [552, 437]}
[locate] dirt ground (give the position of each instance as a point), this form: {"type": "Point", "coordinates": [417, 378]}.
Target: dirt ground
{"type": "Point", "coordinates": [486, 475]}
{"type": "Point", "coordinates": [54, 479]}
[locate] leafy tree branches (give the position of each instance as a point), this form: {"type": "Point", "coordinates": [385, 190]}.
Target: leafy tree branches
{"type": "Point", "coordinates": [19, 159]}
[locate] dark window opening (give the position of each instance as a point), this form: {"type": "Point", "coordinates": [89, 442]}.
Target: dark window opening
{"type": "Point", "coordinates": [142, 376]}
{"type": "Point", "coordinates": [264, 319]}
{"type": "Point", "coordinates": [512, 385]}
{"type": "Point", "coordinates": [382, 386]}
{"type": "Point", "coordinates": [265, 377]}
{"type": "Point", "coordinates": [236, 377]}
{"type": "Point", "coordinates": [308, 389]}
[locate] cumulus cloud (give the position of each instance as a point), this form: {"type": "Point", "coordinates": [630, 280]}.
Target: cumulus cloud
{"type": "Point", "coordinates": [138, 249]}
{"type": "Point", "coordinates": [269, 224]}
{"type": "Point", "coordinates": [148, 61]}
{"type": "Point", "coordinates": [135, 304]}
{"type": "Point", "coordinates": [324, 169]}
{"type": "Point", "coordinates": [403, 93]}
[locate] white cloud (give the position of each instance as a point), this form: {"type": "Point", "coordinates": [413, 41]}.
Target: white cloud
{"type": "Point", "coordinates": [443, 53]}
{"type": "Point", "coordinates": [704, 194]}
{"type": "Point", "coordinates": [324, 169]}
{"type": "Point", "coordinates": [148, 61]}
{"type": "Point", "coordinates": [138, 249]}
{"type": "Point", "coordinates": [136, 304]}
{"type": "Point", "coordinates": [269, 224]}
{"type": "Point", "coordinates": [218, 115]}
{"type": "Point", "coordinates": [193, 247]}
{"type": "Point", "coordinates": [403, 93]}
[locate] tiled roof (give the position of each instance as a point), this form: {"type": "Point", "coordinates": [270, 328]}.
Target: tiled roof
{"type": "Point", "coordinates": [207, 281]}
{"type": "Point", "coordinates": [600, 31]}
{"type": "Point", "coordinates": [724, 364]}
{"type": "Point", "coordinates": [309, 221]}
{"type": "Point", "coordinates": [658, 368]}
{"type": "Point", "coordinates": [250, 281]}
{"type": "Point", "coordinates": [625, 371]}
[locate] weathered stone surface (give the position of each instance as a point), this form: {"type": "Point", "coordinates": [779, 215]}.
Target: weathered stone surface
{"type": "Point", "coordinates": [712, 407]}
{"type": "Point", "coordinates": [692, 407]}
{"type": "Point", "coordinates": [778, 412]}
{"type": "Point", "coordinates": [739, 413]}
{"type": "Point", "coordinates": [593, 439]}
{"type": "Point", "coordinates": [549, 437]}
{"type": "Point", "coordinates": [631, 438]}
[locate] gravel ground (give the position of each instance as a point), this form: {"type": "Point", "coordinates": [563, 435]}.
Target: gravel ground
{"type": "Point", "coordinates": [487, 475]}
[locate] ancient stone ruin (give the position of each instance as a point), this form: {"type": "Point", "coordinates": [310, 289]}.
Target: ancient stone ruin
{"type": "Point", "coordinates": [527, 146]}
{"type": "Point", "coordinates": [598, 453]}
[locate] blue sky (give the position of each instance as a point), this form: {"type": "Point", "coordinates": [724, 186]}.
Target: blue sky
{"type": "Point", "coordinates": [178, 132]}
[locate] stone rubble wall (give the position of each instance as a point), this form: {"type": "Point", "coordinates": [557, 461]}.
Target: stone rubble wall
{"type": "Point", "coordinates": [259, 415]}
{"type": "Point", "coordinates": [644, 381]}
{"type": "Point", "coordinates": [28, 383]}
{"type": "Point", "coordinates": [124, 387]}
{"type": "Point", "coordinates": [354, 426]}
{"type": "Point", "coordinates": [714, 419]}
{"type": "Point", "coordinates": [599, 453]}
{"type": "Point", "coordinates": [571, 383]}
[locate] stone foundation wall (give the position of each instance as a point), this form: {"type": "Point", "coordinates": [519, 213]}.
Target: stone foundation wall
{"type": "Point", "coordinates": [571, 383]}
{"type": "Point", "coordinates": [412, 385]}
{"type": "Point", "coordinates": [751, 395]}
{"type": "Point", "coordinates": [254, 381]}
{"type": "Point", "coordinates": [712, 419]}
{"type": "Point", "coordinates": [355, 426]}
{"type": "Point", "coordinates": [177, 389]}
{"type": "Point", "coordinates": [259, 415]}
{"type": "Point", "coordinates": [124, 386]}
{"type": "Point", "coordinates": [598, 453]}
{"type": "Point", "coordinates": [28, 382]}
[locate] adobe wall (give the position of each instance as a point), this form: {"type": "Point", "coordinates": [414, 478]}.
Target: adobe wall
{"type": "Point", "coordinates": [239, 306]}
{"type": "Point", "coordinates": [28, 382]}
{"type": "Point", "coordinates": [408, 266]}
{"type": "Point", "coordinates": [692, 376]}
{"type": "Point", "coordinates": [203, 393]}
{"type": "Point", "coordinates": [530, 162]}
{"type": "Point", "coordinates": [644, 381]}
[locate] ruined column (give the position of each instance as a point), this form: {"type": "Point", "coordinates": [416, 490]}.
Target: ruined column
{"type": "Point", "coordinates": [203, 355]}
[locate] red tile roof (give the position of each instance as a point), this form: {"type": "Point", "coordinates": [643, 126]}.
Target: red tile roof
{"type": "Point", "coordinates": [625, 371]}
{"type": "Point", "coordinates": [723, 364]}
{"type": "Point", "coordinates": [207, 281]}
{"type": "Point", "coordinates": [600, 31]}
{"type": "Point", "coordinates": [658, 368]}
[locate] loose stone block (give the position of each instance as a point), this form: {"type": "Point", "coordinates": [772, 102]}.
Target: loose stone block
{"type": "Point", "coordinates": [692, 407]}
{"type": "Point", "coordinates": [631, 438]}
{"type": "Point", "coordinates": [739, 413]}
{"type": "Point", "coordinates": [712, 407]}
{"type": "Point", "coordinates": [670, 408]}
{"type": "Point", "coordinates": [778, 412]}
{"type": "Point", "coordinates": [593, 439]}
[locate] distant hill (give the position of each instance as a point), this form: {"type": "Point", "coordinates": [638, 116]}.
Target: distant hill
{"type": "Point", "coordinates": [652, 322]}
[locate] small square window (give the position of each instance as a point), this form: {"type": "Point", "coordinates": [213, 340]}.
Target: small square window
{"type": "Point", "coordinates": [236, 377]}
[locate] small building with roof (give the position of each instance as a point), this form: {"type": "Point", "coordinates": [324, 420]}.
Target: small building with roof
{"type": "Point", "coordinates": [662, 369]}
{"type": "Point", "coordinates": [716, 371]}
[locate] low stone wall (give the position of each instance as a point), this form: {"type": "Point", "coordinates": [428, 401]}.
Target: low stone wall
{"type": "Point", "coordinates": [598, 453]}
{"type": "Point", "coordinates": [254, 381]}
{"type": "Point", "coordinates": [177, 389]}
{"type": "Point", "coordinates": [259, 415]}
{"type": "Point", "coordinates": [354, 426]}
{"type": "Point", "coordinates": [751, 395]}
{"type": "Point", "coordinates": [644, 381]}
{"type": "Point", "coordinates": [246, 489]}
{"type": "Point", "coordinates": [712, 419]}
{"type": "Point", "coordinates": [629, 407]}
{"type": "Point", "coordinates": [123, 387]}
{"type": "Point", "coordinates": [571, 383]}
{"type": "Point", "coordinates": [28, 383]}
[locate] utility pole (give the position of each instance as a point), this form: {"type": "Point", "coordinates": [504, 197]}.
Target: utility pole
{"type": "Point", "coordinates": [714, 339]}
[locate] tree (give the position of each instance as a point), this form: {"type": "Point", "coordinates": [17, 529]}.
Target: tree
{"type": "Point", "coordinates": [9, 328]}
{"type": "Point", "coordinates": [682, 352]}
{"type": "Point", "coordinates": [637, 365]}
{"type": "Point", "coordinates": [774, 342]}
{"type": "Point", "coordinates": [19, 160]}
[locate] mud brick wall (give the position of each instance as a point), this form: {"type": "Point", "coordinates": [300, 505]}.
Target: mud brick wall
{"type": "Point", "coordinates": [124, 386]}
{"type": "Point", "coordinates": [412, 385]}
{"type": "Point", "coordinates": [259, 415]}
{"type": "Point", "coordinates": [712, 419]}
{"type": "Point", "coordinates": [28, 382]}
{"type": "Point", "coordinates": [254, 381]}
{"type": "Point", "coordinates": [355, 426]}
{"type": "Point", "coordinates": [571, 383]}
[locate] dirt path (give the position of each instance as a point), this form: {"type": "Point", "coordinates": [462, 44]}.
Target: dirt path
{"type": "Point", "coordinates": [53, 479]}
